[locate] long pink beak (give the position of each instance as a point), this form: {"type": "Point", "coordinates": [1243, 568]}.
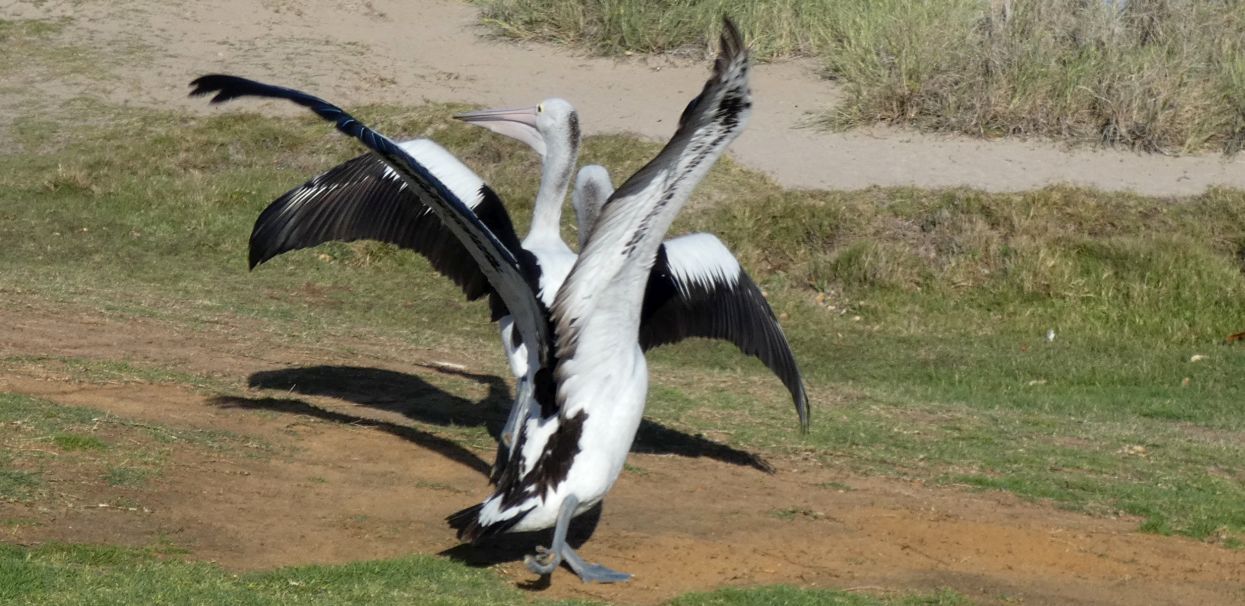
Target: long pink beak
{"type": "Point", "coordinates": [523, 115]}
{"type": "Point", "coordinates": [516, 123]}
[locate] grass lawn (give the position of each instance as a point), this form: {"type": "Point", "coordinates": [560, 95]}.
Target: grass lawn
{"type": "Point", "coordinates": [67, 575]}
{"type": "Point", "coordinates": [919, 316]}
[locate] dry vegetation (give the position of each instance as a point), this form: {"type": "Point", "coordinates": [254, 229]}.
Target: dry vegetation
{"type": "Point", "coordinates": [1158, 75]}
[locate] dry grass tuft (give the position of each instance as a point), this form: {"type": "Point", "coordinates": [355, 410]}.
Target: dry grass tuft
{"type": "Point", "coordinates": [1156, 75]}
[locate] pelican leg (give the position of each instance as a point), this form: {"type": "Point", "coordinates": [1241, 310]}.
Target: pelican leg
{"type": "Point", "coordinates": [547, 560]}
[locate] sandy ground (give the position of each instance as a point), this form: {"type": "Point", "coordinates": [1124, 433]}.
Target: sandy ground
{"type": "Point", "coordinates": [350, 474]}
{"type": "Point", "coordinates": [357, 51]}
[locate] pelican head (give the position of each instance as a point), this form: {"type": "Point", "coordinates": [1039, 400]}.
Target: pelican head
{"type": "Point", "coordinates": [552, 124]}
{"type": "Point", "coordinates": [592, 189]}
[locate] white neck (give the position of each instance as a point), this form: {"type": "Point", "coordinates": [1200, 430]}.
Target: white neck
{"type": "Point", "coordinates": [555, 178]}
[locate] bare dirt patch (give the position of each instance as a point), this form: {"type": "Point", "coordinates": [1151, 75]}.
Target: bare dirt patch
{"type": "Point", "coordinates": [391, 51]}
{"type": "Point", "coordinates": [373, 473]}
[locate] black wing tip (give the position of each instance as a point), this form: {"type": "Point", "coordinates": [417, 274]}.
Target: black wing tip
{"type": "Point", "coordinates": [262, 248]}
{"type": "Point", "coordinates": [731, 43]}
{"type": "Point", "coordinates": [470, 530]}
{"type": "Point", "coordinates": [730, 64]}
{"type": "Point", "coordinates": [788, 371]}
{"type": "Point", "coordinates": [801, 409]}
{"type": "Point", "coordinates": [229, 87]}
{"type": "Point", "coordinates": [731, 48]}
{"type": "Point", "coordinates": [255, 258]}
{"type": "Point", "coordinates": [799, 394]}
{"type": "Point", "coordinates": [225, 86]}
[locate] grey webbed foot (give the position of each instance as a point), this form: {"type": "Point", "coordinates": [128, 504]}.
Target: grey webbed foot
{"type": "Point", "coordinates": [593, 573]}
{"type": "Point", "coordinates": [544, 562]}
{"type": "Point", "coordinates": [547, 560]}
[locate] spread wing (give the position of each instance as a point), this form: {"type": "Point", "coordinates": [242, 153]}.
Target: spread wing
{"type": "Point", "coordinates": [510, 276]}
{"type": "Point", "coordinates": [364, 199]}
{"type": "Point", "coordinates": [698, 289]}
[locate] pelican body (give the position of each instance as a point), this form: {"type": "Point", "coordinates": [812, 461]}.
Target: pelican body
{"type": "Point", "coordinates": [571, 450]}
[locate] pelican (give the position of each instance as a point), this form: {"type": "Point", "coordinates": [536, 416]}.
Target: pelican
{"type": "Point", "coordinates": [591, 382]}
{"type": "Point", "coordinates": [572, 448]}
{"type": "Point", "coordinates": [551, 129]}
{"type": "Point", "coordinates": [364, 198]}
{"type": "Point", "coordinates": [697, 287]}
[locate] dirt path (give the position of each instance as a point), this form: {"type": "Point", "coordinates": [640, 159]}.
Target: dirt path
{"type": "Point", "coordinates": [355, 51]}
{"type": "Point", "coordinates": [345, 482]}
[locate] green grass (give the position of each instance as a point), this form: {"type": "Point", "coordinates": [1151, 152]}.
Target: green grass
{"type": "Point", "coordinates": [44, 442]}
{"type": "Point", "coordinates": [87, 370]}
{"type": "Point", "coordinates": [67, 575]}
{"type": "Point", "coordinates": [69, 441]}
{"type": "Point", "coordinates": [919, 316]}
{"type": "Point", "coordinates": [126, 476]}
{"type": "Point", "coordinates": [13, 31]}
{"type": "Point", "coordinates": [16, 484]}
{"type": "Point", "coordinates": [1155, 75]}
{"type": "Point", "coordinates": [37, 47]}
{"type": "Point", "coordinates": [792, 513]}
{"type": "Point", "coordinates": [774, 28]}
{"type": "Point", "coordinates": [100, 575]}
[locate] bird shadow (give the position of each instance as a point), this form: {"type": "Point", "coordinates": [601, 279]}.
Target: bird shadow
{"type": "Point", "coordinates": [446, 448]}
{"type": "Point", "coordinates": [406, 394]}
{"type": "Point", "coordinates": [416, 399]}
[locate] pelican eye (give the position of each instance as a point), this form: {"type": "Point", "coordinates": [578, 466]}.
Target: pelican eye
{"type": "Point", "coordinates": [540, 108]}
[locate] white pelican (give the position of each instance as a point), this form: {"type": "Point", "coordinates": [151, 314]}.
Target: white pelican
{"type": "Point", "coordinates": [697, 287]}
{"type": "Point", "coordinates": [551, 128]}
{"type": "Point", "coordinates": [572, 449]}
{"type": "Point", "coordinates": [364, 198]}
{"type": "Point", "coordinates": [591, 382]}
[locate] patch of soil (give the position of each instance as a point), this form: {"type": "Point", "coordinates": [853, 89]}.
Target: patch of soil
{"type": "Point", "coordinates": [345, 479]}
{"type": "Point", "coordinates": [395, 51]}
